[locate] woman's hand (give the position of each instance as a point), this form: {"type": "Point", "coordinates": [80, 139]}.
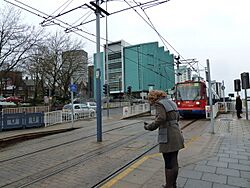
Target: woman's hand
{"type": "Point", "coordinates": [145, 125]}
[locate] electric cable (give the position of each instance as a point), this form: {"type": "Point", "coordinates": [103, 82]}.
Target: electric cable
{"type": "Point", "coordinates": [69, 25]}
{"type": "Point", "coordinates": [150, 23]}
{"type": "Point", "coordinates": [73, 31]}
{"type": "Point", "coordinates": [60, 8]}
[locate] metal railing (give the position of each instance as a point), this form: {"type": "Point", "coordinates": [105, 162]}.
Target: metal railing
{"type": "Point", "coordinates": [57, 117]}
{"type": "Point", "coordinates": [115, 104]}
{"type": "Point", "coordinates": [130, 111]}
{"type": "Point", "coordinates": [220, 107]}
{"type": "Point", "coordinates": [32, 109]}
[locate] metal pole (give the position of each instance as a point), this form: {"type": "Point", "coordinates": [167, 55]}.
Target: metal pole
{"type": "Point", "coordinates": [178, 74]}
{"type": "Point", "coordinates": [224, 100]}
{"type": "Point", "coordinates": [120, 90]}
{"type": "Point", "coordinates": [210, 98]}
{"type": "Point", "coordinates": [106, 57]}
{"type": "Point", "coordinates": [223, 91]}
{"type": "Point", "coordinates": [246, 104]}
{"type": "Point", "coordinates": [72, 104]}
{"type": "Point", "coordinates": [98, 77]}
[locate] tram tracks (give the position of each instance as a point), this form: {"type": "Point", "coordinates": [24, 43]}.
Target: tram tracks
{"type": "Point", "coordinates": [44, 174]}
{"type": "Point", "coordinates": [129, 163]}
{"type": "Point", "coordinates": [76, 160]}
{"type": "Point", "coordinates": [68, 142]}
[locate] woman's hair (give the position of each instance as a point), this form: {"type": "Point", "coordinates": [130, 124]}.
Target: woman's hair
{"type": "Point", "coordinates": [155, 95]}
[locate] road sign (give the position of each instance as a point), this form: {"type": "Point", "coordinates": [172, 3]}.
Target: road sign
{"type": "Point", "coordinates": [73, 87]}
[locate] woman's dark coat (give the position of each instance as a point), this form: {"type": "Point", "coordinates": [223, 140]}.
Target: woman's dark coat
{"type": "Point", "coordinates": [238, 105]}
{"type": "Point", "coordinates": [175, 139]}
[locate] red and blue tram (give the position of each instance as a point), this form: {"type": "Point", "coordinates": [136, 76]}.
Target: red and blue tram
{"type": "Point", "coordinates": [191, 98]}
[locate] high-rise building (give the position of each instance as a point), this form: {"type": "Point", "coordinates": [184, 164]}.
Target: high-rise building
{"type": "Point", "coordinates": [184, 73]}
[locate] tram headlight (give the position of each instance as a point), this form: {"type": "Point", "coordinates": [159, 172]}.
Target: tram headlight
{"type": "Point", "coordinates": [178, 103]}
{"type": "Point", "coordinates": [197, 103]}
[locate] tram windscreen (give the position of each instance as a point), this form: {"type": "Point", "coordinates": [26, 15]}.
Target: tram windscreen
{"type": "Point", "coordinates": [188, 91]}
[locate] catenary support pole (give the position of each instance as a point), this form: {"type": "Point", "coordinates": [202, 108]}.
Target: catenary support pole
{"type": "Point", "coordinates": [98, 77]}
{"type": "Point", "coordinates": [210, 98]}
{"type": "Point", "coordinates": [107, 65]}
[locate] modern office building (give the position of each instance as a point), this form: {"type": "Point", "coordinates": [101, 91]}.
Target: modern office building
{"type": "Point", "coordinates": [142, 67]}
{"type": "Point", "coordinates": [185, 74]}
{"type": "Point", "coordinates": [148, 66]}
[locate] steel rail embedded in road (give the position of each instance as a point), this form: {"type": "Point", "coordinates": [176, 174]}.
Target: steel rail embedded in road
{"type": "Point", "coordinates": [66, 143]}
{"type": "Point", "coordinates": [44, 174]}
{"type": "Point", "coordinates": [118, 171]}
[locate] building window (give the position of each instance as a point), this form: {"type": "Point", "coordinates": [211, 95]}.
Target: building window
{"type": "Point", "coordinates": [114, 55]}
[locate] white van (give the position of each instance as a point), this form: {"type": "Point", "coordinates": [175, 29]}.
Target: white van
{"type": "Point", "coordinates": [80, 111]}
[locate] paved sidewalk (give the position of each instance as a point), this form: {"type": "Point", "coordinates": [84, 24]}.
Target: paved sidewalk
{"type": "Point", "coordinates": [220, 160]}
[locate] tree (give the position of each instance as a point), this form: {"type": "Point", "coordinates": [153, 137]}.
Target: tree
{"type": "Point", "coordinates": [47, 65]}
{"type": "Point", "coordinates": [16, 40]}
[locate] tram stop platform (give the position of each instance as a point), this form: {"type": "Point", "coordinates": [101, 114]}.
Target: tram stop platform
{"type": "Point", "coordinates": [219, 160]}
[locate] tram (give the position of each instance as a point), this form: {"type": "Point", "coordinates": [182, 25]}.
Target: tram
{"type": "Point", "coordinates": [191, 98]}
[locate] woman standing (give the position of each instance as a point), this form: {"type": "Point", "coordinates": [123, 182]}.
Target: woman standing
{"type": "Point", "coordinates": [169, 134]}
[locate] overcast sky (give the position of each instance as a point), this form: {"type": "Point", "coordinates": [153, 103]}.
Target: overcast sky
{"type": "Point", "coordinates": [217, 30]}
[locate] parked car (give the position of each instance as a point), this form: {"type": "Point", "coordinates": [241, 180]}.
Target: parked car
{"type": "Point", "coordinates": [80, 111]}
{"type": "Point", "coordinates": [91, 105]}
{"type": "Point", "coordinates": [13, 99]}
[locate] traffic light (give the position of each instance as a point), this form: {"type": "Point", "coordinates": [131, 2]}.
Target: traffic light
{"type": "Point", "coordinates": [105, 89]}
{"type": "Point", "coordinates": [245, 80]}
{"type": "Point", "coordinates": [46, 92]}
{"type": "Point", "coordinates": [237, 86]}
{"type": "Point", "coordinates": [129, 90]}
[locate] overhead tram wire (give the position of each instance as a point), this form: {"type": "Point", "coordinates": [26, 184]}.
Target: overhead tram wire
{"type": "Point", "coordinates": [60, 8]}
{"type": "Point", "coordinates": [67, 30]}
{"type": "Point", "coordinates": [80, 34]}
{"type": "Point", "coordinates": [76, 32]}
{"type": "Point", "coordinates": [154, 28]}
{"type": "Point", "coordinates": [87, 15]}
{"type": "Point", "coordinates": [143, 9]}
{"type": "Point", "coordinates": [150, 24]}
{"type": "Point", "coordinates": [122, 10]}
{"type": "Point", "coordinates": [69, 25]}
{"type": "Point", "coordinates": [41, 16]}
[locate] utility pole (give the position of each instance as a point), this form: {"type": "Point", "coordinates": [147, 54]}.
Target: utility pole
{"type": "Point", "coordinates": [98, 75]}
{"type": "Point", "coordinates": [98, 10]}
{"type": "Point", "coordinates": [106, 58]}
{"type": "Point", "coordinates": [210, 97]}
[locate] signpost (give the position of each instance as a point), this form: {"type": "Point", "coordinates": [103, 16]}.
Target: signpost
{"type": "Point", "coordinates": [73, 89]}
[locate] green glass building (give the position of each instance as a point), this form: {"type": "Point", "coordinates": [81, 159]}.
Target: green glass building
{"type": "Point", "coordinates": [142, 66]}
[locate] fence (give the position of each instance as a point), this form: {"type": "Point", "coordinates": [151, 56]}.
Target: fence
{"type": "Point", "coordinates": [115, 104]}
{"type": "Point", "coordinates": [38, 116]}
{"type": "Point", "coordinates": [220, 107]}
{"type": "Point", "coordinates": [21, 120]}
{"type": "Point", "coordinates": [33, 109]}
{"type": "Point", "coordinates": [130, 111]}
{"type": "Point", "coordinates": [57, 117]}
